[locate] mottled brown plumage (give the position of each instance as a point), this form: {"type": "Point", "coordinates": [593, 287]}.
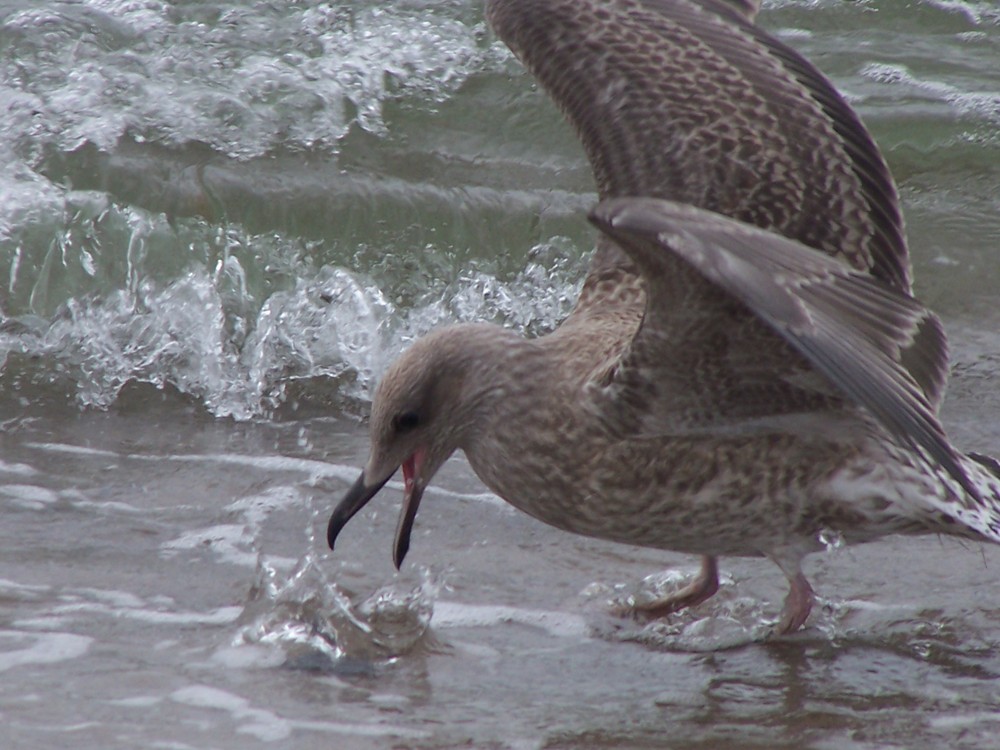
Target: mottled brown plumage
{"type": "Point", "coordinates": [745, 368]}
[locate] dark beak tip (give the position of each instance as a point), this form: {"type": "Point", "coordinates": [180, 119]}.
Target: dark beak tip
{"type": "Point", "coordinates": [356, 498]}
{"type": "Point", "coordinates": [404, 526]}
{"type": "Point", "coordinates": [398, 556]}
{"type": "Point", "coordinates": [331, 535]}
{"type": "Point", "coordinates": [333, 530]}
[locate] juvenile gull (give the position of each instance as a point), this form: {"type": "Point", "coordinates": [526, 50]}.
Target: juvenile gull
{"type": "Point", "coordinates": [746, 368]}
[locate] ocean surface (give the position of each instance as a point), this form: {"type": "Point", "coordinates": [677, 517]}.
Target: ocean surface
{"type": "Point", "coordinates": [219, 221]}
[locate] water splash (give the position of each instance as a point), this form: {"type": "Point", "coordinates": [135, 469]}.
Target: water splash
{"type": "Point", "coordinates": [977, 13]}
{"type": "Point", "coordinates": [191, 335]}
{"type": "Point", "coordinates": [242, 80]}
{"type": "Point", "coordinates": [242, 317]}
{"type": "Point", "coordinates": [725, 621]}
{"type": "Point", "coordinates": [100, 294]}
{"type": "Point", "coordinates": [534, 301]}
{"type": "Point", "coordinates": [983, 106]}
{"type": "Point", "coordinates": [830, 539]}
{"type": "Point", "coordinates": [317, 625]}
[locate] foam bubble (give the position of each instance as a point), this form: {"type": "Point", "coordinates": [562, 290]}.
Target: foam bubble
{"type": "Point", "coordinates": [558, 624]}
{"type": "Point", "coordinates": [41, 648]}
{"type": "Point", "coordinates": [268, 726]}
{"type": "Point", "coordinates": [23, 470]}
{"type": "Point", "coordinates": [981, 105]}
{"type": "Point", "coordinates": [29, 496]}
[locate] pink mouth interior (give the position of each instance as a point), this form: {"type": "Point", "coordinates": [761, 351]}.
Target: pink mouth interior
{"type": "Point", "coordinates": [409, 473]}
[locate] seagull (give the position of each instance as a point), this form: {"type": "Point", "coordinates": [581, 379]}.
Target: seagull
{"type": "Point", "coordinates": [746, 370]}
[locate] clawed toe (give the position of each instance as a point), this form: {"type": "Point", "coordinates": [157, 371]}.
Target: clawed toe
{"type": "Point", "coordinates": [797, 606]}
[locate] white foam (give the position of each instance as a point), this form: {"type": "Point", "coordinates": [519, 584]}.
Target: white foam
{"type": "Point", "coordinates": [455, 615]}
{"type": "Point", "coordinates": [984, 105]}
{"type": "Point", "coordinates": [256, 508]}
{"type": "Point", "coordinates": [106, 506]}
{"type": "Point", "coordinates": [138, 701]}
{"type": "Point", "coordinates": [263, 725]}
{"type": "Point", "coordinates": [361, 730]}
{"type": "Point", "coordinates": [482, 497]}
{"type": "Point", "coordinates": [66, 448]}
{"type": "Point", "coordinates": [25, 195]}
{"type": "Point", "coordinates": [270, 727]}
{"type": "Point", "coordinates": [40, 623]}
{"type": "Point", "coordinates": [979, 13]}
{"type": "Point", "coordinates": [117, 599]}
{"type": "Point", "coordinates": [233, 543]}
{"type": "Point", "coordinates": [29, 496]}
{"type": "Point", "coordinates": [217, 616]}
{"type": "Point", "coordinates": [269, 463]}
{"type": "Point", "coordinates": [122, 604]}
{"type": "Point", "coordinates": [964, 720]}
{"type": "Point", "coordinates": [249, 656]}
{"type": "Point", "coordinates": [43, 648]}
{"type": "Point", "coordinates": [12, 589]}
{"type": "Point", "coordinates": [23, 470]}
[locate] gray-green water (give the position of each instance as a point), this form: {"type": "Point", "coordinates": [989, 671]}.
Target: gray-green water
{"type": "Point", "coordinates": [218, 221]}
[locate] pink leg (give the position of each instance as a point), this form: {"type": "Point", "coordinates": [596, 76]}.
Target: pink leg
{"type": "Point", "coordinates": [705, 584]}
{"type": "Point", "coordinates": [798, 604]}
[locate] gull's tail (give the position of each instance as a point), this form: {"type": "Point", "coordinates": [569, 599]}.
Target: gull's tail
{"type": "Point", "coordinates": [981, 512]}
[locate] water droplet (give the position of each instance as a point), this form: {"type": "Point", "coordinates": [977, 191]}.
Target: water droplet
{"type": "Point", "coordinates": [830, 539]}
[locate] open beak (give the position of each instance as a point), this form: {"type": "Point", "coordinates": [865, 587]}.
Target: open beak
{"type": "Point", "coordinates": [356, 498]}
{"type": "Point", "coordinates": [412, 492]}
{"type": "Point", "coordinates": [361, 492]}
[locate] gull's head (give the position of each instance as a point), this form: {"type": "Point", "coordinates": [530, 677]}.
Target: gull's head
{"type": "Point", "coordinates": [423, 408]}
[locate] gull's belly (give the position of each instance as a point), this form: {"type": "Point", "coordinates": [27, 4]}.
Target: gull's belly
{"type": "Point", "coordinates": [743, 495]}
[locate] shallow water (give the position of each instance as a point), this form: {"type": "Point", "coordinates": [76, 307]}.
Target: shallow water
{"type": "Point", "coordinates": [219, 221]}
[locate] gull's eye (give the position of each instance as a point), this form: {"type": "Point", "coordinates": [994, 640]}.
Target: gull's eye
{"type": "Point", "coordinates": [406, 421]}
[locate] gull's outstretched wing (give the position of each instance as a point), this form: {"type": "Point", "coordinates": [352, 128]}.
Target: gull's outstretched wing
{"type": "Point", "coordinates": [875, 345]}
{"type": "Point", "coordinates": [687, 100]}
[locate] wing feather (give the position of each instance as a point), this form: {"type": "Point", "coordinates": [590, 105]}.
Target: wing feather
{"type": "Point", "coordinates": [863, 336]}
{"type": "Point", "coordinates": [689, 101]}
